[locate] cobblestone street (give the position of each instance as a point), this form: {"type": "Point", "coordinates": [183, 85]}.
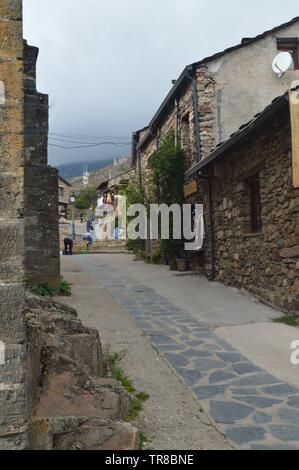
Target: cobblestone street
{"type": "Point", "coordinates": [253, 408]}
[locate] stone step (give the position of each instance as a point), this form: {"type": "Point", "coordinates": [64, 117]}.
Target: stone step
{"type": "Point", "coordinates": [98, 244]}
{"type": "Point", "coordinates": [107, 247]}
{"type": "Point", "coordinates": [110, 252]}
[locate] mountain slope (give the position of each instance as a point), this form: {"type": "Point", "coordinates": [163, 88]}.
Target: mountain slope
{"type": "Point", "coordinates": [74, 170]}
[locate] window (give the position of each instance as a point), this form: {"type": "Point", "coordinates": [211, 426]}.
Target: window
{"type": "Point", "coordinates": [291, 46]}
{"type": "Point", "coordinates": [186, 131]}
{"type": "Point", "coordinates": [255, 204]}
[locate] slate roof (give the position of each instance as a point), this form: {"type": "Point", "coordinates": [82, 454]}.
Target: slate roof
{"type": "Point", "coordinates": [247, 41]}
{"type": "Point", "coordinates": [64, 180]}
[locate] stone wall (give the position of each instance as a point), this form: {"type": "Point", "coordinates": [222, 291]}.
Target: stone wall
{"type": "Point", "coordinates": [207, 105]}
{"type": "Point", "coordinates": [13, 408]}
{"type": "Point", "coordinates": [41, 184]}
{"type": "Point", "coordinates": [41, 225]}
{"type": "Point", "coordinates": [266, 263]}
{"type": "Point", "coordinates": [182, 119]}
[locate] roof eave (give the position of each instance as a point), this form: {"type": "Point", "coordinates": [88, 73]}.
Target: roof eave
{"type": "Point", "coordinates": [64, 180]}
{"type": "Point", "coordinates": [174, 90]}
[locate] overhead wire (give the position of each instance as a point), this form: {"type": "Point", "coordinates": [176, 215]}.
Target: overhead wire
{"type": "Point", "coordinates": [87, 137]}
{"type": "Point", "coordinates": [84, 141]}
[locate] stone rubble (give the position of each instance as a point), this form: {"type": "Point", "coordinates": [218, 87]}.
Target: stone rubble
{"type": "Point", "coordinates": [72, 405]}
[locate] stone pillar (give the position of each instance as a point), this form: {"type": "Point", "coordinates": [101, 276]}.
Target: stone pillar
{"type": "Point", "coordinates": [13, 402]}
{"type": "Point", "coordinates": [42, 260]}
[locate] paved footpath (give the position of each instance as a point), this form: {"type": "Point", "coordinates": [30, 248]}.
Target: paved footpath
{"type": "Point", "coordinates": [250, 405]}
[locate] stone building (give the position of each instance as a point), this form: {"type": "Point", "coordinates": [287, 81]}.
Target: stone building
{"type": "Point", "coordinates": [210, 100]}
{"type": "Point", "coordinates": [42, 258]}
{"type": "Point", "coordinates": [214, 96]}
{"type": "Point", "coordinates": [252, 214]}
{"type": "Point", "coordinates": [113, 186]}
{"type": "Point", "coordinates": [64, 192]}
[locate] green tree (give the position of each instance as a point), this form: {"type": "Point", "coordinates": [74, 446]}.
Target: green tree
{"type": "Point", "coordinates": [135, 195]}
{"type": "Point", "coordinates": [87, 198]}
{"type": "Point", "coordinates": [167, 166]}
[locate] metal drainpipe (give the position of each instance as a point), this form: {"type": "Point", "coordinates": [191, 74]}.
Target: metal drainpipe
{"type": "Point", "coordinates": [196, 115]}
{"type": "Point", "coordinates": [139, 169]}
{"type": "Point", "coordinates": [177, 121]}
{"type": "Point", "coordinates": [212, 246]}
{"type": "Point", "coordinates": [156, 135]}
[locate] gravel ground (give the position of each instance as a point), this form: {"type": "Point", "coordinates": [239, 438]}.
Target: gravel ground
{"type": "Point", "coordinates": [172, 418]}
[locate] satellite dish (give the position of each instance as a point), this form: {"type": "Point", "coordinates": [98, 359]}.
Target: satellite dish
{"type": "Point", "coordinates": [282, 63]}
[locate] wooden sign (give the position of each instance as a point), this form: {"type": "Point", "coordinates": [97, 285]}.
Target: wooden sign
{"type": "Point", "coordinates": [294, 113]}
{"type": "Point", "coordinates": [190, 188]}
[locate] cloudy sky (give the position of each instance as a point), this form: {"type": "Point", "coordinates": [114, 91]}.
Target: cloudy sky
{"type": "Point", "coordinates": [107, 65]}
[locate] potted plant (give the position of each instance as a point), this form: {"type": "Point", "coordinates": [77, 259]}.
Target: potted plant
{"type": "Point", "coordinates": [172, 248]}
{"type": "Point", "coordinates": [182, 264]}
{"type": "Point", "coordinates": [172, 263]}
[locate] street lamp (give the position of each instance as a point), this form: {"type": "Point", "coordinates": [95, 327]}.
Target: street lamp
{"type": "Point", "coordinates": [73, 201]}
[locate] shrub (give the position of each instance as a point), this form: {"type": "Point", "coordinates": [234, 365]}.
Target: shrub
{"type": "Point", "coordinates": [42, 289]}
{"type": "Point", "coordinates": [288, 319]}
{"type": "Point", "coordinates": [167, 166]}
{"type": "Point", "coordinates": [135, 195]}
{"type": "Point", "coordinates": [113, 360]}
{"type": "Point", "coordinates": [138, 247]}
{"type": "Point", "coordinates": [65, 288]}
